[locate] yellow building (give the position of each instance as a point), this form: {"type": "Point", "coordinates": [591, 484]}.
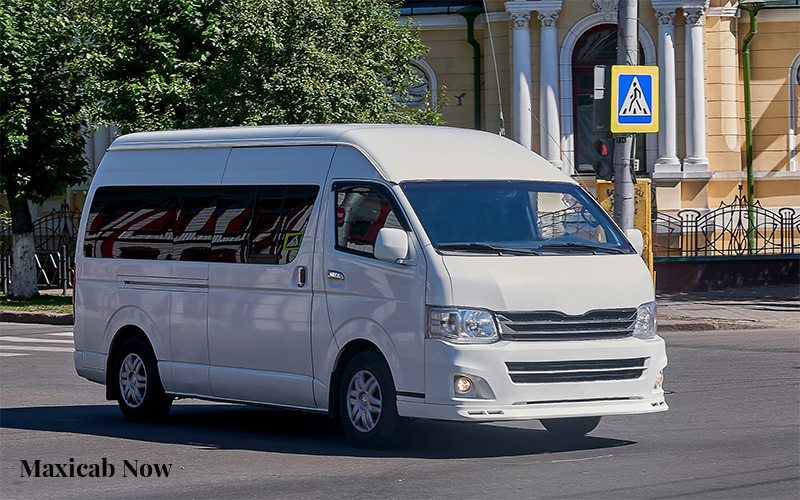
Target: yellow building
{"type": "Point", "coordinates": [536, 71]}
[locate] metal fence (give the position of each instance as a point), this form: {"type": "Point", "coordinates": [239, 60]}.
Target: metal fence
{"type": "Point", "coordinates": [55, 236]}
{"type": "Point", "coordinates": [725, 231]}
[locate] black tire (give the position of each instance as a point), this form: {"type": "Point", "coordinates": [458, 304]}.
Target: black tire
{"type": "Point", "coordinates": [368, 402]}
{"type": "Point", "coordinates": [570, 427]}
{"type": "Point", "coordinates": [140, 394]}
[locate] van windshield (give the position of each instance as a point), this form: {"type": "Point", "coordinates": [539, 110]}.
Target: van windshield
{"type": "Point", "coordinates": [513, 218]}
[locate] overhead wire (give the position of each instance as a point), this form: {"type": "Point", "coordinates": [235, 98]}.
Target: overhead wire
{"type": "Point", "coordinates": [502, 130]}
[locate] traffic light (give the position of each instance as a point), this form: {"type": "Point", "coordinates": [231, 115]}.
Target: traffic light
{"type": "Point", "coordinates": [604, 162]}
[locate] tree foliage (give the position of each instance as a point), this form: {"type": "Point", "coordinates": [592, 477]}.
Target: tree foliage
{"type": "Point", "coordinates": [200, 63]}
{"type": "Point", "coordinates": [41, 83]}
{"type": "Point", "coordinates": [41, 55]}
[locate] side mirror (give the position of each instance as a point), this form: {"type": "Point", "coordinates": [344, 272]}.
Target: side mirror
{"type": "Point", "coordinates": [636, 239]}
{"type": "Point", "coordinates": [391, 245]}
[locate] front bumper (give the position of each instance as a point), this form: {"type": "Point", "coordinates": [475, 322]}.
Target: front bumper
{"type": "Point", "coordinates": [511, 400]}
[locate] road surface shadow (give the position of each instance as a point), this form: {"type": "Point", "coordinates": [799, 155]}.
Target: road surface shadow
{"type": "Point", "coordinates": [257, 429]}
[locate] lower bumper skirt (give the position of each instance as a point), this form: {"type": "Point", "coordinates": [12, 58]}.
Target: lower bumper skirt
{"type": "Point", "coordinates": [531, 411]}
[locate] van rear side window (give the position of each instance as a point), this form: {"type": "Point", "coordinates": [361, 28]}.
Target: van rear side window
{"type": "Point", "coordinates": [241, 224]}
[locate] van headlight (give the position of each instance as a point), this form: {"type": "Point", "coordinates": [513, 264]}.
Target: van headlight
{"type": "Point", "coordinates": [462, 326]}
{"type": "Point", "coordinates": [645, 325]}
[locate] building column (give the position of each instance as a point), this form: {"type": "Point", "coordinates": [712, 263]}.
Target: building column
{"type": "Point", "coordinates": [696, 159]}
{"type": "Point", "coordinates": [550, 131]}
{"type": "Point", "coordinates": [667, 161]}
{"type": "Point", "coordinates": [521, 73]}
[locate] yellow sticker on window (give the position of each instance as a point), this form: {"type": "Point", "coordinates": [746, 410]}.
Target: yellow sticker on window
{"type": "Point", "coordinates": [292, 241]}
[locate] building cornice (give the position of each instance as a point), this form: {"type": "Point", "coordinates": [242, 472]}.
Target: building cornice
{"type": "Point", "coordinates": [443, 22]}
{"type": "Point", "coordinates": [667, 4]}
{"type": "Point", "coordinates": [723, 12]}
{"type": "Point", "coordinates": [435, 21]}
{"type": "Point", "coordinates": [761, 175]}
{"type": "Point", "coordinates": [494, 17]}
{"type": "Point", "coordinates": [677, 176]}
{"type": "Point", "coordinates": [695, 4]}
{"type": "Point", "coordinates": [520, 6]}
{"type": "Point", "coordinates": [774, 16]}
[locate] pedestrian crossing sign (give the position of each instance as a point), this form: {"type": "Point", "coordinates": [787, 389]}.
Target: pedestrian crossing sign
{"type": "Point", "coordinates": [634, 99]}
{"type": "Point", "coordinates": [292, 241]}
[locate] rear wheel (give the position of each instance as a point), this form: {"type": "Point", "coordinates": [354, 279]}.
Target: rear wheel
{"type": "Point", "coordinates": [368, 402]}
{"type": "Point", "coordinates": [140, 394]}
{"type": "Point", "coordinates": [570, 427]}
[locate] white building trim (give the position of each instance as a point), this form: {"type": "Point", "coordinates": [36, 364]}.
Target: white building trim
{"type": "Point", "coordinates": [434, 85]}
{"type": "Point", "coordinates": [521, 75]}
{"type": "Point", "coordinates": [794, 112]}
{"type": "Point", "coordinates": [549, 133]}
{"type": "Point", "coordinates": [696, 160]}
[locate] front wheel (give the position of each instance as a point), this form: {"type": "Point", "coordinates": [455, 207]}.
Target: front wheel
{"type": "Point", "coordinates": [140, 394]}
{"type": "Point", "coordinates": [368, 402]}
{"type": "Point", "coordinates": [570, 427]}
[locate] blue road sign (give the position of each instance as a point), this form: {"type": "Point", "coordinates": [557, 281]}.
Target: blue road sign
{"type": "Point", "coordinates": [634, 99]}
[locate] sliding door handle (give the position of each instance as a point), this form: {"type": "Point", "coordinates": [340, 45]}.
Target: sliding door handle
{"type": "Point", "coordinates": [301, 276]}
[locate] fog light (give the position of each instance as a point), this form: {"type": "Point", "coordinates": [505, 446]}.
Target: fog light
{"type": "Point", "coordinates": [659, 380]}
{"type": "Point", "coordinates": [463, 385]}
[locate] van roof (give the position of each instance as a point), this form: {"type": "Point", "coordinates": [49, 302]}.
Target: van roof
{"type": "Point", "coordinates": [400, 152]}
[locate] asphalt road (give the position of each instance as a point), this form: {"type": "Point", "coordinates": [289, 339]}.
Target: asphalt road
{"type": "Point", "coordinates": [733, 431]}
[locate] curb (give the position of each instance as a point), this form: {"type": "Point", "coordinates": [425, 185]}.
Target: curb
{"type": "Point", "coordinates": [42, 318]}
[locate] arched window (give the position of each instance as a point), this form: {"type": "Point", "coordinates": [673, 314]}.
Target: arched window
{"type": "Point", "coordinates": [423, 90]}
{"type": "Point", "coordinates": [425, 87]}
{"type": "Point", "coordinates": [596, 47]}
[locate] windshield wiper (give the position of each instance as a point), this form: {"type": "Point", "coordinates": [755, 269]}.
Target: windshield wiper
{"type": "Point", "coordinates": [485, 248]}
{"type": "Point", "coordinates": [574, 245]}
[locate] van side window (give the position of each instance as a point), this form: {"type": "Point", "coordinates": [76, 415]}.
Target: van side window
{"type": "Point", "coordinates": [281, 217]}
{"type": "Point", "coordinates": [128, 223]}
{"type": "Point", "coordinates": [194, 226]}
{"type": "Point", "coordinates": [233, 217]}
{"type": "Point", "coordinates": [237, 224]}
{"type": "Point", "coordinates": [361, 211]}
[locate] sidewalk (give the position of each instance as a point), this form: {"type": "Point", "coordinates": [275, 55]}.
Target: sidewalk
{"type": "Point", "coordinates": [733, 308]}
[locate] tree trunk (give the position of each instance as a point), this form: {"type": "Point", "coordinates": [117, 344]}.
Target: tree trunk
{"type": "Point", "coordinates": [23, 272]}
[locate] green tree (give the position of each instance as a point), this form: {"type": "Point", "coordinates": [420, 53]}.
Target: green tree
{"type": "Point", "coordinates": [150, 59]}
{"type": "Point", "coordinates": [42, 144]}
{"type": "Point", "coordinates": [201, 63]}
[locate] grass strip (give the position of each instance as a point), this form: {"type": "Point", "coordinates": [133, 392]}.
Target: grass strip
{"type": "Point", "coordinates": [61, 304]}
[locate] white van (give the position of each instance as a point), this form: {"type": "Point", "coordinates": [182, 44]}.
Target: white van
{"type": "Point", "coordinates": [371, 272]}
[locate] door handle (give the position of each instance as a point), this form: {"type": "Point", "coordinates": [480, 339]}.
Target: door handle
{"type": "Point", "coordinates": [301, 276]}
{"type": "Point", "coordinates": [335, 275]}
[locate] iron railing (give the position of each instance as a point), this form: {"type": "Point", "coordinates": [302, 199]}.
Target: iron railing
{"type": "Point", "coordinates": [54, 236]}
{"type": "Point", "coordinates": [725, 231]}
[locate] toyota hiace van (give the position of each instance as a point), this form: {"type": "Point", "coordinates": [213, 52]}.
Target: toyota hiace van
{"type": "Point", "coordinates": [371, 272]}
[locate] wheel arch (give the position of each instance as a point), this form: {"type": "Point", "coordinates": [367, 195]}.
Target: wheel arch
{"type": "Point", "coordinates": [347, 353]}
{"type": "Point", "coordinates": [123, 334]}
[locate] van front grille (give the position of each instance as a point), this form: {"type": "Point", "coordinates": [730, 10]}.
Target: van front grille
{"type": "Point", "coordinates": [552, 325]}
{"type": "Point", "coordinates": [576, 371]}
